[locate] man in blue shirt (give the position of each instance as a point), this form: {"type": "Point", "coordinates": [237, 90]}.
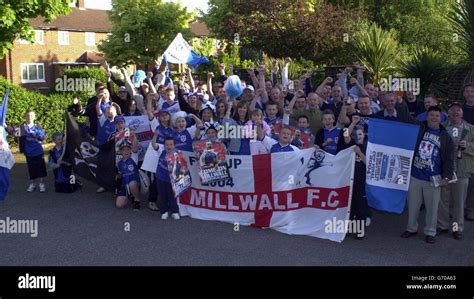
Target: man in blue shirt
{"type": "Point", "coordinates": [430, 101]}
{"type": "Point", "coordinates": [433, 167]}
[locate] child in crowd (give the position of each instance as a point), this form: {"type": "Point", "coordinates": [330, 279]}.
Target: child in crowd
{"type": "Point", "coordinates": [359, 208]}
{"type": "Point", "coordinates": [329, 138]}
{"type": "Point", "coordinates": [168, 201]}
{"type": "Point", "coordinates": [128, 173]}
{"type": "Point", "coordinates": [58, 161]}
{"type": "Point", "coordinates": [184, 136]}
{"type": "Point", "coordinates": [271, 112]}
{"type": "Point", "coordinates": [33, 150]}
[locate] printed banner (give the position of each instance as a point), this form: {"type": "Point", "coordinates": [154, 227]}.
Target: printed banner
{"type": "Point", "coordinates": [140, 125]}
{"type": "Point", "coordinates": [389, 156]}
{"type": "Point", "coordinates": [288, 192]}
{"type": "Point", "coordinates": [179, 172]}
{"type": "Point", "coordinates": [212, 161]}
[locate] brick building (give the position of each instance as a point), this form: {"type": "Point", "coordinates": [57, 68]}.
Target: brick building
{"type": "Point", "coordinates": [68, 41]}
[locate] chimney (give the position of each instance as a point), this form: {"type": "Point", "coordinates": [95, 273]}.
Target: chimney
{"type": "Point", "coordinates": [81, 4]}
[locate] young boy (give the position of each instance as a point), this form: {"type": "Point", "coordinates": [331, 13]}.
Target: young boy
{"type": "Point", "coordinates": [271, 111]}
{"type": "Point", "coordinates": [34, 151]}
{"type": "Point", "coordinates": [58, 161]}
{"type": "Point", "coordinates": [303, 127]}
{"type": "Point", "coordinates": [128, 172]}
{"type": "Point", "coordinates": [329, 138]}
{"type": "Point", "coordinates": [168, 201]}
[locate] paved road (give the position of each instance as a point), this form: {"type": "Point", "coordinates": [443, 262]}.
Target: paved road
{"type": "Point", "coordinates": [86, 229]}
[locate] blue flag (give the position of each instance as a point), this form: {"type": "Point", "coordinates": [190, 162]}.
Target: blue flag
{"type": "Point", "coordinates": [179, 51]}
{"type": "Point", "coordinates": [388, 160]}
{"type": "Point", "coordinates": [6, 156]}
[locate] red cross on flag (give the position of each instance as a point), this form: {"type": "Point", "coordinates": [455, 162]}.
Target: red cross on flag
{"type": "Point", "coordinates": [303, 192]}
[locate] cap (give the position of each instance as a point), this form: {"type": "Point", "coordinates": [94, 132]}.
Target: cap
{"type": "Point", "coordinates": [456, 103]}
{"type": "Point", "coordinates": [249, 87]}
{"type": "Point", "coordinates": [118, 119]}
{"type": "Point", "coordinates": [57, 135]}
{"type": "Point", "coordinates": [122, 88]}
{"type": "Point", "coordinates": [125, 144]}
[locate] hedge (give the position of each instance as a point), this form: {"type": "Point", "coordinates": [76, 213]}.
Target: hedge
{"type": "Point", "coordinates": [49, 109]}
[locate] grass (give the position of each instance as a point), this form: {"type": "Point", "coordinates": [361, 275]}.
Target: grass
{"type": "Point", "coordinates": [20, 158]}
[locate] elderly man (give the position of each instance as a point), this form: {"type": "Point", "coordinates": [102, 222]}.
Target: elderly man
{"type": "Point", "coordinates": [433, 168]}
{"type": "Point", "coordinates": [462, 134]}
{"type": "Point", "coordinates": [393, 112]}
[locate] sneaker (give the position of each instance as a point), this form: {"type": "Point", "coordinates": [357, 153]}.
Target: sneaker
{"type": "Point", "coordinates": [164, 216]}
{"type": "Point", "coordinates": [152, 206]}
{"type": "Point", "coordinates": [100, 190]}
{"type": "Point", "coordinates": [175, 216]}
{"type": "Point", "coordinates": [42, 187]}
{"type": "Point", "coordinates": [136, 205]}
{"type": "Point", "coordinates": [31, 187]}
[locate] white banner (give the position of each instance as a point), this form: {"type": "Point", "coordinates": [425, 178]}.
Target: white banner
{"type": "Point", "coordinates": [302, 193]}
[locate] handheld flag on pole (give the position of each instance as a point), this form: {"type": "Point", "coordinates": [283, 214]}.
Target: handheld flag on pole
{"type": "Point", "coordinates": [179, 51]}
{"type": "Point", "coordinates": [389, 157]}
{"type": "Point", "coordinates": [6, 157]}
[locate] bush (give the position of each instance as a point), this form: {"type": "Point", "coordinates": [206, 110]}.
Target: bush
{"type": "Point", "coordinates": [49, 109]}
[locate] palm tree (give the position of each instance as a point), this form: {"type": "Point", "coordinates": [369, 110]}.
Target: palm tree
{"type": "Point", "coordinates": [462, 18]}
{"type": "Point", "coordinates": [377, 50]}
{"type": "Point", "coordinates": [430, 68]}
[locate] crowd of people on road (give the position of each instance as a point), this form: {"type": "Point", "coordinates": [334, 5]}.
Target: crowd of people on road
{"type": "Point", "coordinates": [333, 116]}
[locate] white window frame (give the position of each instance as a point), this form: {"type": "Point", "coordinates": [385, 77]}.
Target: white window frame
{"type": "Point", "coordinates": [39, 33]}
{"type": "Point", "coordinates": [63, 38]}
{"type": "Point", "coordinates": [90, 36]}
{"type": "Point", "coordinates": [27, 65]}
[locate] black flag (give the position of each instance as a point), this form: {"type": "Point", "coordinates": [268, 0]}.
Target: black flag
{"type": "Point", "coordinates": [90, 162]}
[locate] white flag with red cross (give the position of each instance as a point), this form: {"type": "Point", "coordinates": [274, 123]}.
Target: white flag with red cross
{"type": "Point", "coordinates": [292, 192]}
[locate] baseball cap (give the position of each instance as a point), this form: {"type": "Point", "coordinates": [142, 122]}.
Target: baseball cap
{"type": "Point", "coordinates": [249, 87]}
{"type": "Point", "coordinates": [57, 135]}
{"type": "Point", "coordinates": [122, 88]}
{"type": "Point", "coordinates": [456, 103]}
{"type": "Point", "coordinates": [118, 119]}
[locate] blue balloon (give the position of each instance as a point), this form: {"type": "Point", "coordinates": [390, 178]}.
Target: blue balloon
{"type": "Point", "coordinates": [233, 86]}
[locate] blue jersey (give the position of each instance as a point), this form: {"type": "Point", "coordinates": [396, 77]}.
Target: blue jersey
{"type": "Point", "coordinates": [427, 161]}
{"type": "Point", "coordinates": [106, 129]}
{"type": "Point", "coordinates": [32, 144]}
{"type": "Point", "coordinates": [164, 132]}
{"type": "Point", "coordinates": [162, 172]}
{"type": "Point", "coordinates": [334, 134]}
{"type": "Point", "coordinates": [278, 148]}
{"type": "Point", "coordinates": [272, 121]}
{"type": "Point", "coordinates": [59, 175]}
{"type": "Point", "coordinates": [129, 170]}
{"type": "Point", "coordinates": [183, 139]}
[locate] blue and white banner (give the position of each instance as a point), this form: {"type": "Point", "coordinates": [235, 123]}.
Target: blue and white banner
{"type": "Point", "coordinates": [389, 156]}
{"type": "Point", "coordinates": [6, 157]}
{"type": "Point", "coordinates": [179, 51]}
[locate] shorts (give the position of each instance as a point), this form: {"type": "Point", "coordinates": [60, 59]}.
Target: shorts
{"type": "Point", "coordinates": [124, 190]}
{"type": "Point", "coordinates": [36, 167]}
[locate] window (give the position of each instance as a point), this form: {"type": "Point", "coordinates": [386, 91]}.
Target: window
{"type": "Point", "coordinates": [63, 37]}
{"type": "Point", "coordinates": [90, 38]}
{"type": "Point", "coordinates": [39, 37]}
{"type": "Point", "coordinates": [32, 72]}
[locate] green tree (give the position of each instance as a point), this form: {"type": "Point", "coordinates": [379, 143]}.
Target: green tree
{"type": "Point", "coordinates": [142, 30]}
{"type": "Point", "coordinates": [377, 51]}
{"type": "Point", "coordinates": [295, 28]}
{"type": "Point", "coordinates": [14, 15]}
